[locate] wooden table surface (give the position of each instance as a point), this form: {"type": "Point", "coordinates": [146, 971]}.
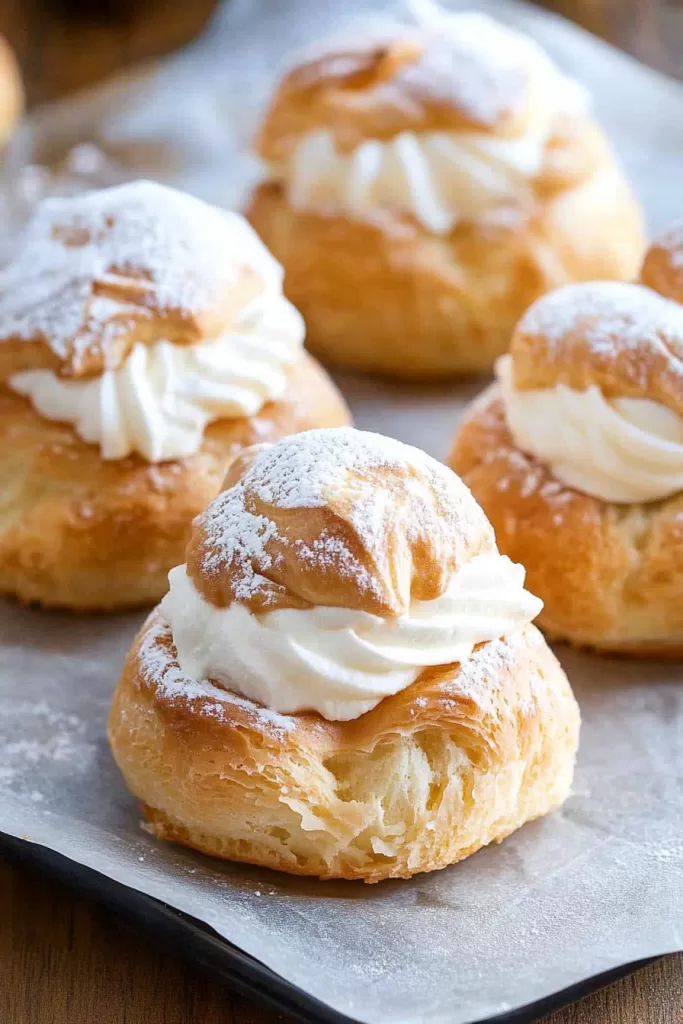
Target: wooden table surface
{"type": "Point", "coordinates": [62, 960]}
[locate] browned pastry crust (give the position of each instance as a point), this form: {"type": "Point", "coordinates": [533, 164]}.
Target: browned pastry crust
{"type": "Point", "coordinates": [460, 759]}
{"type": "Point", "coordinates": [610, 576]}
{"type": "Point", "coordinates": [575, 337]}
{"type": "Point", "coordinates": [11, 91]}
{"type": "Point", "coordinates": [87, 534]}
{"type": "Point", "coordinates": [428, 531]}
{"type": "Point", "coordinates": [663, 264]}
{"type": "Point", "coordinates": [377, 88]}
{"type": "Point", "coordinates": [95, 274]}
{"type": "Point", "coordinates": [392, 298]}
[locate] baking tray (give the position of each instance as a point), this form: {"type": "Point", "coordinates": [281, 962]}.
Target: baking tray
{"type": "Point", "coordinates": [477, 942]}
{"type": "Point", "coordinates": [195, 942]}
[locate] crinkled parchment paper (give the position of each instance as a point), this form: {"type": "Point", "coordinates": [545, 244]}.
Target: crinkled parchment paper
{"type": "Point", "coordinates": [594, 886]}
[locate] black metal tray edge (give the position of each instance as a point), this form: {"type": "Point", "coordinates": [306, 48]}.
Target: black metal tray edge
{"type": "Point", "coordinates": [193, 940]}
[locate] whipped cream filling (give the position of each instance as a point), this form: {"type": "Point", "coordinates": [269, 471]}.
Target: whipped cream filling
{"type": "Point", "coordinates": [623, 450]}
{"type": "Point", "coordinates": [439, 178]}
{"type": "Point", "coordinates": [160, 401]}
{"type": "Point", "coordinates": [342, 662]}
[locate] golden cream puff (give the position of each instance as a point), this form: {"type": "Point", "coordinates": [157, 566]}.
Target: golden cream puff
{"type": "Point", "coordinates": [144, 340]}
{"type": "Point", "coordinates": [576, 455]}
{"type": "Point", "coordinates": [423, 188]}
{"type": "Point", "coordinates": [342, 680]}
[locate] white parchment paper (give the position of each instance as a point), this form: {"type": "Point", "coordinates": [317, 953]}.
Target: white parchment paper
{"type": "Point", "coordinates": [594, 886]}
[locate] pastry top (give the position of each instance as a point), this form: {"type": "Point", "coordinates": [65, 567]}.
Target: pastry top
{"type": "Point", "coordinates": [624, 339]}
{"type": "Point", "coordinates": [593, 384]}
{"type": "Point", "coordinates": [466, 73]}
{"type": "Point", "coordinates": [139, 315]}
{"type": "Point", "coordinates": [338, 518]}
{"type": "Point", "coordinates": [333, 569]}
{"type": "Point", "coordinates": [663, 264]}
{"type": "Point", "coordinates": [95, 274]}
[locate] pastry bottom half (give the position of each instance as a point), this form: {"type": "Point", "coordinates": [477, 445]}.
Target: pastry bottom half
{"type": "Point", "coordinates": [460, 759]}
{"type": "Point", "coordinates": [610, 576]}
{"type": "Point", "coordinates": [388, 297]}
{"type": "Point", "coordinates": [81, 533]}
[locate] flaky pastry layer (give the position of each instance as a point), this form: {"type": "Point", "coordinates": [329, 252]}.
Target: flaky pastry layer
{"type": "Point", "coordinates": [461, 758]}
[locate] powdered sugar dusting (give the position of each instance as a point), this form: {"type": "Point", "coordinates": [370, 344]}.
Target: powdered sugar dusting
{"type": "Point", "coordinates": [520, 472]}
{"type": "Point", "coordinates": [184, 251]}
{"type": "Point", "coordinates": [237, 537]}
{"type": "Point", "coordinates": [609, 316]}
{"type": "Point", "coordinates": [470, 74]}
{"type": "Point", "coordinates": [466, 60]}
{"type": "Point", "coordinates": [159, 668]}
{"type": "Point", "coordinates": [303, 471]}
{"type": "Point", "coordinates": [56, 737]}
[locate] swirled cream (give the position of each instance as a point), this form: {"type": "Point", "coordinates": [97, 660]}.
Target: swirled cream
{"type": "Point", "coordinates": [161, 399]}
{"type": "Point", "coordinates": [624, 450]}
{"type": "Point", "coordinates": [342, 662]}
{"type": "Point", "coordinates": [444, 177]}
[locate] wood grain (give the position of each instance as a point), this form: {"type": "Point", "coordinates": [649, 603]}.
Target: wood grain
{"type": "Point", "coordinates": [63, 961]}
{"type": "Point", "coordinates": [58, 56]}
{"type": "Point", "coordinates": [651, 30]}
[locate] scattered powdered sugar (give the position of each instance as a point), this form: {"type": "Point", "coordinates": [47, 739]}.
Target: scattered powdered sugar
{"type": "Point", "coordinates": [304, 471]}
{"type": "Point", "coordinates": [186, 250]}
{"type": "Point", "coordinates": [610, 316]}
{"type": "Point", "coordinates": [57, 737]}
{"type": "Point", "coordinates": [478, 678]}
{"type": "Point", "coordinates": [159, 668]}
{"type": "Point", "coordinates": [330, 552]}
{"type": "Point", "coordinates": [525, 472]}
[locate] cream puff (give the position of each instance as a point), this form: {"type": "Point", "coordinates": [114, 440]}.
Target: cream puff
{"type": "Point", "coordinates": [576, 455]}
{"type": "Point", "coordinates": [144, 340]}
{"type": "Point", "coordinates": [425, 187]}
{"type": "Point", "coordinates": [343, 680]}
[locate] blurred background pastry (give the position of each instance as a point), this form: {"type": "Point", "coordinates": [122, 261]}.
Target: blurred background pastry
{"type": "Point", "coordinates": [11, 91]}
{"type": "Point", "coordinates": [425, 186]}
{"type": "Point", "coordinates": [576, 455]}
{"type": "Point", "coordinates": [144, 339]}
{"type": "Point", "coordinates": [343, 680]}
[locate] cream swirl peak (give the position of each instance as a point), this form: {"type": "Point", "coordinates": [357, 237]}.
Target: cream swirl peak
{"type": "Point", "coordinates": [140, 315]}
{"type": "Point", "coordinates": [339, 566]}
{"type": "Point", "coordinates": [444, 176]}
{"type": "Point", "coordinates": [342, 662]}
{"type": "Point", "coordinates": [160, 401]}
{"type": "Point", "coordinates": [622, 450]}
